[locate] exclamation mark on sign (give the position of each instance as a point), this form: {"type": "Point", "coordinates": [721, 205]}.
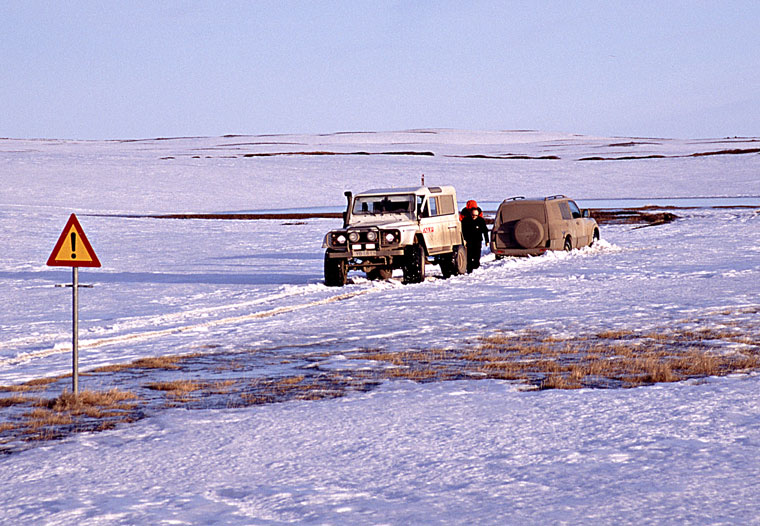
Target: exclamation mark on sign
{"type": "Point", "coordinates": [73, 245]}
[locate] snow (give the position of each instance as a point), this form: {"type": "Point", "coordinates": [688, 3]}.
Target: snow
{"type": "Point", "coordinates": [456, 452]}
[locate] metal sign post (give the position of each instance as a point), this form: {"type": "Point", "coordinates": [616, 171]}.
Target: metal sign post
{"type": "Point", "coordinates": [75, 330]}
{"type": "Point", "coordinates": [74, 250]}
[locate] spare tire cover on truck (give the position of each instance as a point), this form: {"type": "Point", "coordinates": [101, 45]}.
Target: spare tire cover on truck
{"type": "Point", "coordinates": [528, 232]}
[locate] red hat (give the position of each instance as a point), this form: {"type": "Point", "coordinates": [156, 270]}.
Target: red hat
{"type": "Point", "coordinates": [472, 203]}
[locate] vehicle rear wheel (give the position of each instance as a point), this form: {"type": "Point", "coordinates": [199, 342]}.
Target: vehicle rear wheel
{"type": "Point", "coordinates": [460, 260]}
{"type": "Point", "coordinates": [336, 271]}
{"type": "Point", "coordinates": [455, 263]}
{"type": "Point", "coordinates": [446, 262]}
{"type": "Point", "coordinates": [380, 273]}
{"type": "Point", "coordinates": [414, 264]}
{"type": "Point", "coordinates": [595, 238]}
{"type": "Point", "coordinates": [568, 244]}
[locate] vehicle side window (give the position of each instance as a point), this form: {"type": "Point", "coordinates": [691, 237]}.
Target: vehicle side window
{"type": "Point", "coordinates": [422, 208]}
{"type": "Point", "coordinates": [433, 203]}
{"type": "Point", "coordinates": [436, 206]}
{"type": "Point", "coordinates": [574, 210]}
{"type": "Point", "coordinates": [565, 209]}
{"type": "Point", "coordinates": [553, 211]}
{"type": "Point", "coordinates": [446, 203]}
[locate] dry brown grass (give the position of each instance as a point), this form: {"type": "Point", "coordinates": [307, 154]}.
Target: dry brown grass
{"type": "Point", "coordinates": [256, 398]}
{"type": "Point", "coordinates": [14, 388]}
{"type": "Point", "coordinates": [42, 417]}
{"type": "Point", "coordinates": [299, 387]}
{"type": "Point", "coordinates": [558, 381]}
{"type": "Point", "coordinates": [176, 385]}
{"type": "Point", "coordinates": [622, 358]}
{"type": "Point", "coordinates": [220, 387]}
{"type": "Point", "coordinates": [16, 400]}
{"type": "Point", "coordinates": [49, 419]}
{"type": "Point", "coordinates": [37, 384]}
{"type": "Point", "coordinates": [419, 374]}
{"type": "Point", "coordinates": [106, 425]}
{"type": "Point", "coordinates": [614, 335]}
{"type": "Point", "coordinates": [69, 401]}
{"type": "Point", "coordinates": [689, 349]}
{"type": "Point", "coordinates": [291, 380]}
{"type": "Point", "coordinates": [179, 389]}
{"type": "Point", "coordinates": [158, 362]}
{"type": "Point", "coordinates": [93, 404]}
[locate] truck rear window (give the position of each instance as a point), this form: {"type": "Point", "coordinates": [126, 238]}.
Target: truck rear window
{"type": "Point", "coordinates": [515, 211]}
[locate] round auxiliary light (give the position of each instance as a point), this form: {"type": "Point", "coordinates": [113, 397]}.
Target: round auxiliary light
{"type": "Point", "coordinates": [353, 237]}
{"type": "Point", "coordinates": [389, 237]}
{"type": "Point", "coordinates": [371, 236]}
{"type": "Point", "coordinates": [341, 239]}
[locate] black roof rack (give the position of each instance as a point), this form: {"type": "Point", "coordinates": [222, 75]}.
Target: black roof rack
{"type": "Point", "coordinates": [558, 196]}
{"type": "Point", "coordinates": [515, 198]}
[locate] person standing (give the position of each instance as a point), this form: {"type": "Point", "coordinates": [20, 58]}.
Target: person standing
{"type": "Point", "coordinates": [473, 229]}
{"type": "Point", "coordinates": [472, 203]}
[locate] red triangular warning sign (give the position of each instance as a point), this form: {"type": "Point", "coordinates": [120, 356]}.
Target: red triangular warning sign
{"type": "Point", "coordinates": [73, 249]}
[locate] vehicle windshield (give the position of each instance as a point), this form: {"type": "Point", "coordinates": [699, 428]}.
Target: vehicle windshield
{"type": "Point", "coordinates": [384, 204]}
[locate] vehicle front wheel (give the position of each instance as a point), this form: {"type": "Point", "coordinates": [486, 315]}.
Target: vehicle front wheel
{"type": "Point", "coordinates": [336, 271]}
{"type": "Point", "coordinates": [414, 264]}
{"type": "Point", "coordinates": [568, 244]}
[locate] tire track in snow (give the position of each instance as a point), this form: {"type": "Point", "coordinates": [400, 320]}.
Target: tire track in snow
{"type": "Point", "coordinates": [138, 322]}
{"type": "Point", "coordinates": [91, 344]}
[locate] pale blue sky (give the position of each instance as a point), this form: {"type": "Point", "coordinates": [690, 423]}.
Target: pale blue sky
{"type": "Point", "coordinates": [134, 69]}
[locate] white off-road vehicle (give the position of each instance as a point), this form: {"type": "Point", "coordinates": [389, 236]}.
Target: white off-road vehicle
{"type": "Point", "coordinates": [397, 228]}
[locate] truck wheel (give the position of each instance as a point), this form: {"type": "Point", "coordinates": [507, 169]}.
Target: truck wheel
{"type": "Point", "coordinates": [446, 263]}
{"type": "Point", "coordinates": [336, 271]}
{"type": "Point", "coordinates": [568, 244]}
{"type": "Point", "coordinates": [414, 264]}
{"type": "Point", "coordinates": [380, 273]}
{"type": "Point", "coordinates": [460, 260]}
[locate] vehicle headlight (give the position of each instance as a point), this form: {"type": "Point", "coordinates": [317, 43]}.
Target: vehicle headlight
{"type": "Point", "coordinates": [371, 235]}
{"type": "Point", "coordinates": [353, 237]}
{"type": "Point", "coordinates": [391, 237]}
{"type": "Point", "coordinates": [337, 238]}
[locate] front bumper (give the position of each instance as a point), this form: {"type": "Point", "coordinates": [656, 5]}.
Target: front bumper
{"type": "Point", "coordinates": [365, 254]}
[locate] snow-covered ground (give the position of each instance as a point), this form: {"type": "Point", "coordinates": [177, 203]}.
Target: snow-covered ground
{"type": "Point", "coordinates": [460, 452]}
{"type": "Point", "coordinates": [456, 453]}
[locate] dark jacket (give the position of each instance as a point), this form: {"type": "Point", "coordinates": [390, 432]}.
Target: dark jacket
{"type": "Point", "coordinates": [473, 229]}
